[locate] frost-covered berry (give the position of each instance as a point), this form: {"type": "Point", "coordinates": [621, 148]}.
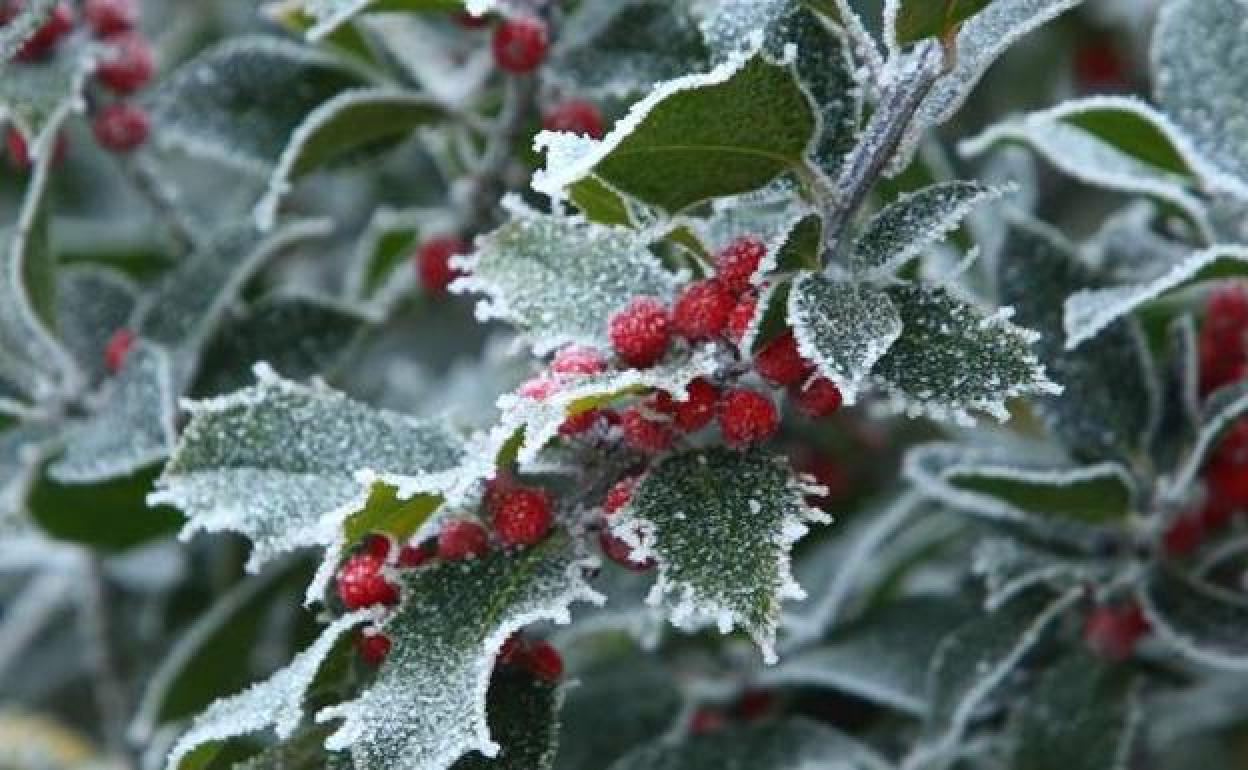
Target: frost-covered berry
{"type": "Point", "coordinates": [109, 17]}
{"type": "Point", "coordinates": [695, 412]}
{"type": "Point", "coordinates": [1183, 536]}
{"type": "Point", "coordinates": [736, 264]}
{"type": "Point", "coordinates": [575, 116]}
{"type": "Point", "coordinates": [702, 310]}
{"type": "Point", "coordinates": [522, 516]}
{"type": "Point", "coordinates": [413, 556]}
{"type": "Point", "coordinates": [780, 363]}
{"type": "Point", "coordinates": [58, 25]}
{"type": "Point", "coordinates": [379, 545]}
{"type": "Point", "coordinates": [433, 262]}
{"type": "Point", "coordinates": [462, 539]}
{"type": "Point", "coordinates": [520, 45]}
{"type": "Point", "coordinates": [620, 494]}
{"type": "Point", "coordinates": [641, 331]}
{"type": "Point", "coordinates": [747, 417]}
{"type": "Point", "coordinates": [543, 661]}
{"type": "Point", "coordinates": [740, 317]}
{"type": "Point", "coordinates": [579, 359]}
{"type": "Point", "coordinates": [644, 434]}
{"type": "Point", "coordinates": [817, 398]}
{"type": "Point", "coordinates": [121, 127]}
{"type": "Point", "coordinates": [579, 424]}
{"type": "Point", "coordinates": [1113, 632]}
{"type": "Point", "coordinates": [373, 646]}
{"type": "Point", "coordinates": [362, 584]}
{"type": "Point", "coordinates": [128, 64]}
{"type": "Point", "coordinates": [618, 551]}
{"type": "Point", "coordinates": [538, 388]}
{"type": "Point", "coordinates": [117, 349]}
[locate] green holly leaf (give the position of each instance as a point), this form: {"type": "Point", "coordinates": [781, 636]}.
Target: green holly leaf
{"type": "Point", "coordinates": [92, 302]}
{"type": "Point", "coordinates": [1202, 622]}
{"type": "Point", "coordinates": [384, 248]}
{"type": "Point", "coordinates": [426, 707]}
{"type": "Point", "coordinates": [524, 721]}
{"type": "Point", "coordinates": [324, 17]}
{"type": "Point", "coordinates": [751, 506]}
{"type": "Point", "coordinates": [694, 138]}
{"type": "Point", "coordinates": [915, 20]}
{"type": "Point", "coordinates": [107, 516]}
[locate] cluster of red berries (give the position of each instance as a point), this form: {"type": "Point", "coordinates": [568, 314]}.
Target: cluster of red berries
{"type": "Point", "coordinates": [1112, 631]}
{"type": "Point", "coordinates": [126, 66]}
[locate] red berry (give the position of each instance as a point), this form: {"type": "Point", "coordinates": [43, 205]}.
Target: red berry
{"type": "Point", "coordinates": [108, 17]}
{"type": "Point", "coordinates": [1223, 350]}
{"type": "Point", "coordinates": [579, 359]}
{"type": "Point", "coordinates": [1183, 536]}
{"type": "Point", "coordinates": [523, 516]}
{"type": "Point", "coordinates": [641, 331]}
{"type": "Point", "coordinates": [695, 412]}
{"type": "Point", "coordinates": [817, 398]}
{"type": "Point", "coordinates": [362, 584]}
{"type": "Point", "coordinates": [373, 646]}
{"type": "Point", "coordinates": [1215, 514]}
{"type": "Point", "coordinates": [122, 127]}
{"type": "Point", "coordinates": [576, 116]}
{"type": "Point", "coordinates": [462, 539]}
{"type": "Point", "coordinates": [707, 720]}
{"type": "Point", "coordinates": [1228, 485]}
{"type": "Point", "coordinates": [412, 556]}
{"type": "Point", "coordinates": [827, 473]}
{"type": "Point", "coordinates": [755, 704]}
{"type": "Point", "coordinates": [379, 546]}
{"type": "Point", "coordinates": [1100, 66]}
{"type": "Point", "coordinates": [1113, 632]}
{"type": "Point", "coordinates": [702, 310]}
{"type": "Point", "coordinates": [618, 551]}
{"type": "Point", "coordinates": [128, 65]}
{"type": "Point", "coordinates": [780, 363]}
{"type": "Point", "coordinates": [747, 417]}
{"type": "Point", "coordinates": [620, 494]}
{"type": "Point", "coordinates": [497, 488]}
{"type": "Point", "coordinates": [543, 661]}
{"type": "Point", "coordinates": [736, 264]}
{"type": "Point", "coordinates": [740, 318]}
{"type": "Point", "coordinates": [538, 388]}
{"type": "Point", "coordinates": [433, 262]}
{"type": "Point", "coordinates": [117, 349]}
{"type": "Point", "coordinates": [643, 434]}
{"type": "Point", "coordinates": [1232, 448]}
{"type": "Point", "coordinates": [520, 45]}
{"type": "Point", "coordinates": [579, 424]}
{"type": "Point", "coordinates": [58, 25]}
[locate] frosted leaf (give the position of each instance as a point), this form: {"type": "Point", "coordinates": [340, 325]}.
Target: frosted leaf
{"type": "Point", "coordinates": [1219, 413]}
{"type": "Point", "coordinates": [17, 30]}
{"type": "Point", "coordinates": [606, 48]}
{"type": "Point", "coordinates": [1199, 59]}
{"type": "Point", "coordinates": [1115, 142]}
{"type": "Point", "coordinates": [92, 304]}
{"type": "Point", "coordinates": [238, 103]}
{"type": "Point", "coordinates": [1012, 168]}
{"type": "Point", "coordinates": [559, 280]}
{"type": "Point", "coordinates": [524, 720]}
{"type": "Point", "coordinates": [1083, 714]}
{"type": "Point", "coordinates": [276, 703]}
{"type": "Point", "coordinates": [383, 250]}
{"type": "Point", "coordinates": [1203, 622]}
{"type": "Point", "coordinates": [183, 310]}
{"type": "Point", "coordinates": [1046, 497]}
{"type": "Point", "coordinates": [299, 336]}
{"type": "Point", "coordinates": [982, 39]}
{"type": "Point", "coordinates": [791, 744]}
{"type": "Point", "coordinates": [729, 23]}
{"type": "Point", "coordinates": [953, 358]}
{"type": "Point", "coordinates": [751, 507]}
{"type": "Point", "coordinates": [1110, 403]}
{"type": "Point", "coordinates": [427, 706]}
{"type": "Point", "coordinates": [451, 69]}
{"type": "Point", "coordinates": [906, 228]}
{"type": "Point", "coordinates": [973, 661]}
{"type": "Point", "coordinates": [37, 96]}
{"type": "Point", "coordinates": [21, 449]}
{"type": "Point", "coordinates": [909, 21]}
{"type": "Point", "coordinates": [1127, 249]}
{"type": "Point", "coordinates": [769, 215]}
{"type": "Point", "coordinates": [698, 137]}
{"type": "Point", "coordinates": [618, 705]}
{"type": "Point", "coordinates": [302, 751]}
{"type": "Point", "coordinates": [271, 462]}
{"type": "Point", "coordinates": [881, 658]}
{"type": "Point", "coordinates": [329, 15]}
{"type": "Point", "coordinates": [1009, 567]}
{"type": "Point", "coordinates": [1089, 311]}
{"type": "Point", "coordinates": [349, 126]}
{"type": "Point", "coordinates": [132, 426]}
{"type": "Point", "coordinates": [843, 328]}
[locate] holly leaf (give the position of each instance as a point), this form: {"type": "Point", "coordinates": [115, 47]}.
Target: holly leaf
{"type": "Point", "coordinates": [524, 721]}
{"type": "Point", "coordinates": [694, 138]}
{"type": "Point", "coordinates": [560, 281]}
{"type": "Point", "coordinates": [383, 249]}
{"type": "Point", "coordinates": [327, 16]}
{"type": "Point", "coordinates": [92, 304]}
{"type": "Point", "coordinates": [843, 328]}
{"type": "Point", "coordinates": [427, 706]}
{"type": "Point", "coordinates": [21, 448]}
{"type": "Point", "coordinates": [617, 707]}
{"type": "Point", "coordinates": [1201, 621]}
{"type": "Point", "coordinates": [952, 358]}
{"type": "Point", "coordinates": [1199, 60]}
{"type": "Point", "coordinates": [751, 507]}
{"type": "Point", "coordinates": [913, 20]}
{"type": "Point", "coordinates": [791, 744]}
{"type": "Point", "coordinates": [349, 126]}
{"type": "Point", "coordinates": [240, 102]}
{"type": "Point", "coordinates": [270, 462]}
{"type": "Point", "coordinates": [119, 519]}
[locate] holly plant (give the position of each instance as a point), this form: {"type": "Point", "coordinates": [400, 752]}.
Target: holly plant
{"type": "Point", "coordinates": [570, 384]}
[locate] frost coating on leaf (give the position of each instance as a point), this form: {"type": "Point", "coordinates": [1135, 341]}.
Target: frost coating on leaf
{"type": "Point", "coordinates": [561, 280]}
{"type": "Point", "coordinates": [1089, 311]}
{"type": "Point", "coordinates": [1201, 621]}
{"type": "Point", "coordinates": [275, 703]}
{"type": "Point", "coordinates": [768, 214]}
{"type": "Point", "coordinates": [1200, 58]}
{"type": "Point", "coordinates": [903, 230]}
{"type": "Point", "coordinates": [1010, 567]}
{"type": "Point", "coordinates": [427, 706]}
{"type": "Point", "coordinates": [132, 426]}
{"type": "Point", "coordinates": [21, 450]}
{"type": "Point", "coordinates": [953, 358]}
{"type": "Point", "coordinates": [843, 328]}
{"type": "Point", "coordinates": [276, 461]}
{"type": "Point", "coordinates": [751, 507]}
{"type": "Point", "coordinates": [1126, 249]}
{"type": "Point", "coordinates": [92, 304]}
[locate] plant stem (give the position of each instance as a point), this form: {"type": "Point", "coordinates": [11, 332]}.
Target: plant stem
{"type": "Point", "coordinates": [491, 180]}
